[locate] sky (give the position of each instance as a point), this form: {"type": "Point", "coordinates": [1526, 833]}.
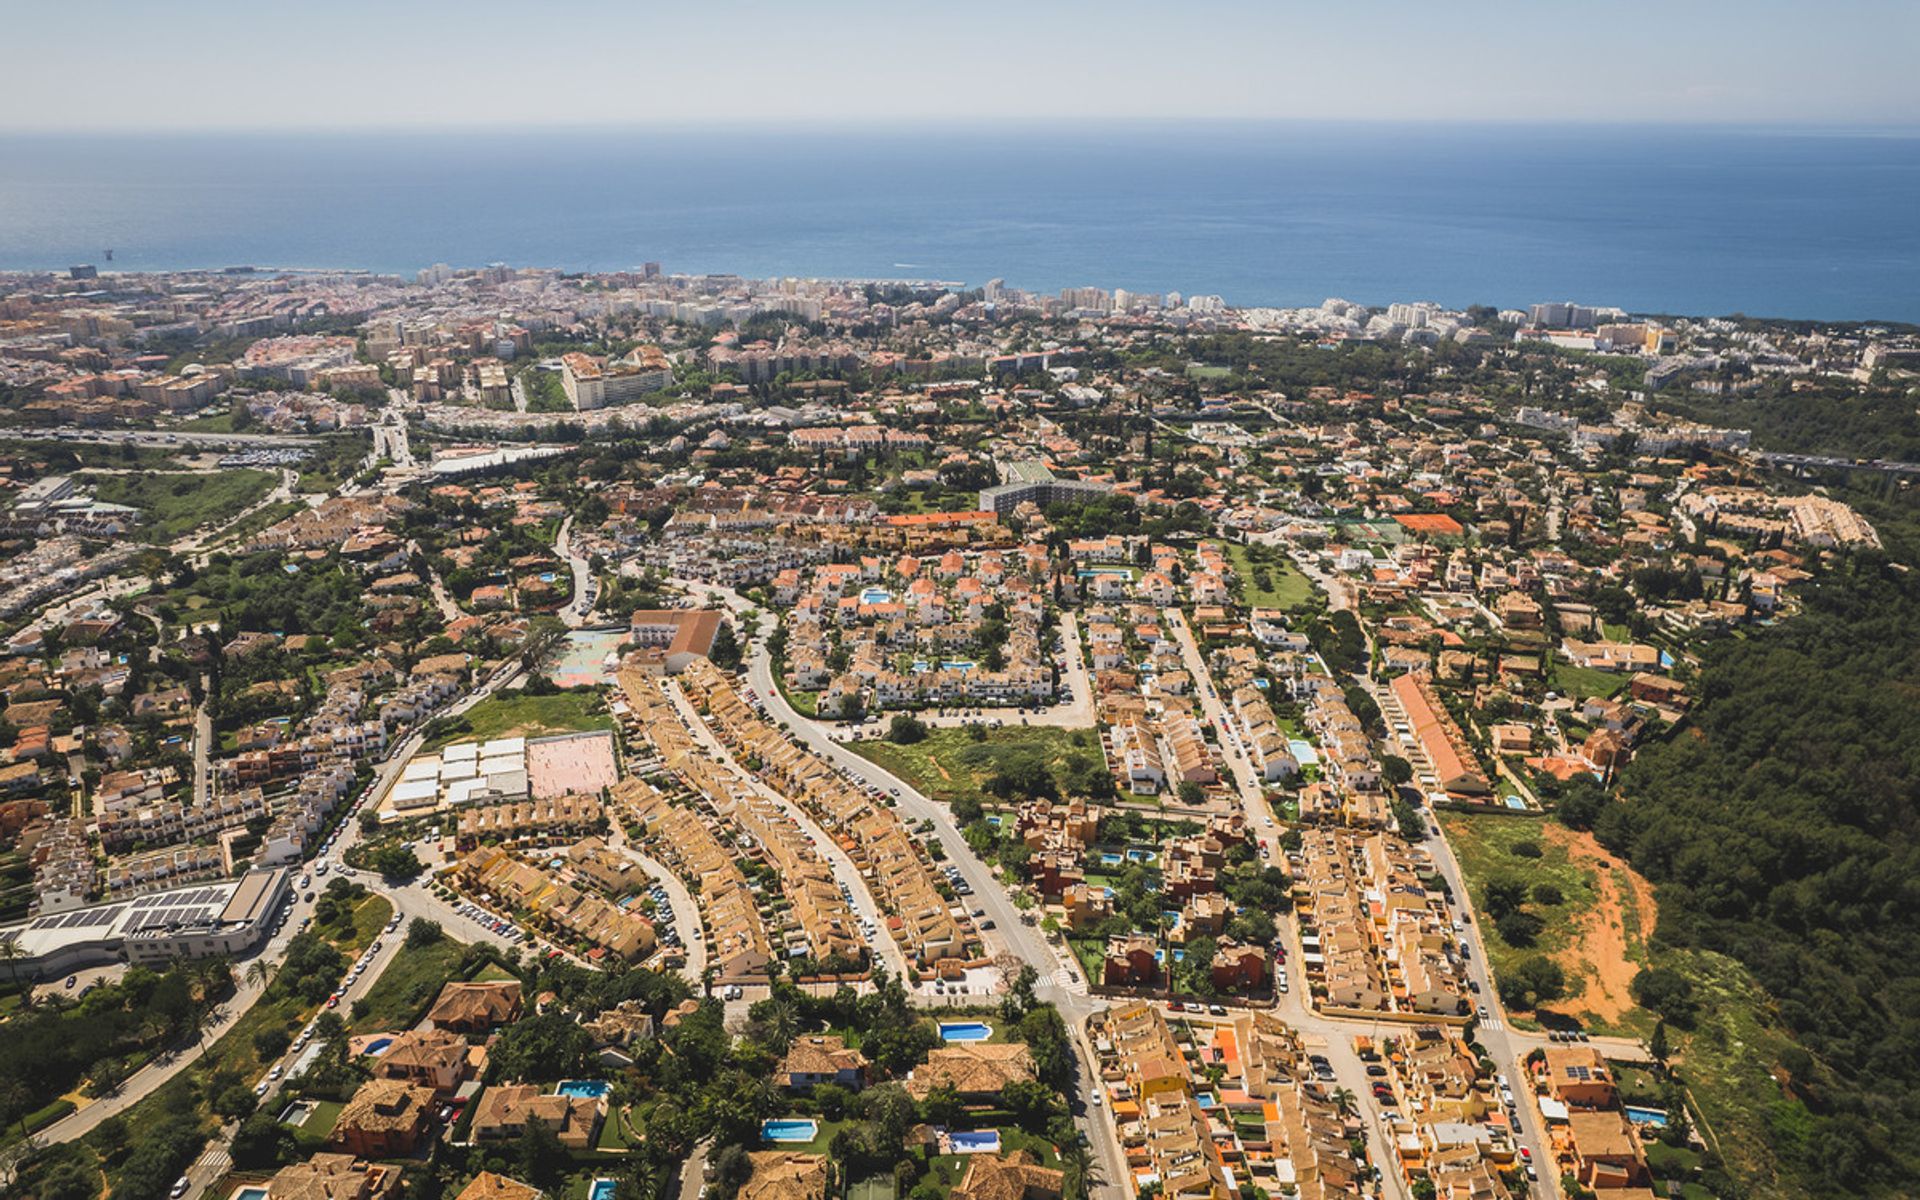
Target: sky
{"type": "Point", "coordinates": [106, 65]}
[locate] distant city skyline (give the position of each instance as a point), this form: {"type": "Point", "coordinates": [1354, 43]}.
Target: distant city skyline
{"type": "Point", "coordinates": [225, 65]}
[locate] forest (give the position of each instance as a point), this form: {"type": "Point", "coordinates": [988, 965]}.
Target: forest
{"type": "Point", "coordinates": [1782, 827]}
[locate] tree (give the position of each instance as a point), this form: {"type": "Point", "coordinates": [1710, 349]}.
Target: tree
{"type": "Point", "coordinates": [541, 644]}
{"type": "Point", "coordinates": [1666, 992]}
{"type": "Point", "coordinates": [905, 730]}
{"type": "Point", "coordinates": [541, 1049]}
{"type": "Point", "coordinates": [725, 651]}
{"type": "Point", "coordinates": [1519, 929]}
{"type": "Point", "coordinates": [1531, 982]}
{"type": "Point", "coordinates": [1395, 769]}
{"type": "Point", "coordinates": [542, 1159]}
{"type": "Point", "coordinates": [263, 1141]}
{"type": "Point", "coordinates": [395, 861]}
{"type": "Point", "coordinates": [1189, 793]}
{"type": "Point", "coordinates": [1503, 894]}
{"type": "Point", "coordinates": [422, 933]}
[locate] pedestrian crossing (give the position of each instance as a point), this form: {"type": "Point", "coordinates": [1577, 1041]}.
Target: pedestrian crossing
{"type": "Point", "coordinates": [1492, 1022]}
{"type": "Point", "coordinates": [1070, 982]}
{"type": "Point", "coordinates": [214, 1163]}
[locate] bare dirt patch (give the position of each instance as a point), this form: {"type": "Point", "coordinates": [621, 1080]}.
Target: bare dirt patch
{"type": "Point", "coordinates": [1609, 940]}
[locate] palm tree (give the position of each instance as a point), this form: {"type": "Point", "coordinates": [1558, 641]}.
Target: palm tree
{"type": "Point", "coordinates": [1343, 1100]}
{"type": "Point", "coordinates": [258, 972]}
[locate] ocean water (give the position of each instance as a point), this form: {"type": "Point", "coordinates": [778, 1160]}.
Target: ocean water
{"type": "Point", "coordinates": [1794, 224]}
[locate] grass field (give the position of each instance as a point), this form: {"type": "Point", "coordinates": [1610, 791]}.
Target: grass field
{"type": "Point", "coordinates": [950, 764]}
{"type": "Point", "coordinates": [1582, 682]}
{"type": "Point", "coordinates": [1288, 588]}
{"type": "Point", "coordinates": [515, 713]}
{"type": "Point", "coordinates": [1484, 844]}
{"type": "Point", "coordinates": [177, 503]}
{"type": "Point", "coordinates": [406, 987]}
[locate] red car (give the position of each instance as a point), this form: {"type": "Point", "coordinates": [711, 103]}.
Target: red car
{"type": "Point", "coordinates": [333, 1001]}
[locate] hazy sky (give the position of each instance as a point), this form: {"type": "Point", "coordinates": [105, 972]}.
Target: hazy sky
{"type": "Point", "coordinates": [334, 63]}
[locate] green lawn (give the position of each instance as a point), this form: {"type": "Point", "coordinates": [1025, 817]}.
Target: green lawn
{"type": "Point", "coordinates": [512, 713]}
{"type": "Point", "coordinates": [1582, 682]}
{"type": "Point", "coordinates": [177, 503]}
{"type": "Point", "coordinates": [1287, 587]}
{"type": "Point", "coordinates": [822, 1137]}
{"type": "Point", "coordinates": [406, 987]}
{"type": "Point", "coordinates": [321, 1122]}
{"type": "Point", "coordinates": [950, 763]}
{"type": "Point", "coordinates": [494, 973]}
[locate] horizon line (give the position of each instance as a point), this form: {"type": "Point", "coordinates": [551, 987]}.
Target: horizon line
{"type": "Point", "coordinates": [1049, 125]}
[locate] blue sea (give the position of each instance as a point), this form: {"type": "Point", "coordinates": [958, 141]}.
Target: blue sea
{"type": "Point", "coordinates": [1775, 223]}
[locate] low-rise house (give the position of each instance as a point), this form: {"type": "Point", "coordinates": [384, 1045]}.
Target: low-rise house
{"type": "Point", "coordinates": [333, 1177]}
{"type": "Point", "coordinates": [821, 1058]}
{"type": "Point", "coordinates": [387, 1118]}
{"type": "Point", "coordinates": [506, 1111]}
{"type": "Point", "coordinates": [973, 1069]}
{"type": "Point", "coordinates": [476, 1007]}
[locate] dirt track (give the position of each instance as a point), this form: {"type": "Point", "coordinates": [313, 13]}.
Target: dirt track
{"type": "Point", "coordinates": [1600, 955]}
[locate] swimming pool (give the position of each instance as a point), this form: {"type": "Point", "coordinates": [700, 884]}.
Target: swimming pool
{"type": "Point", "coordinates": [975, 1141]}
{"type": "Point", "coordinates": [603, 1189]}
{"type": "Point", "coordinates": [250, 1193]}
{"type": "Point", "coordinates": [876, 595]}
{"type": "Point", "coordinates": [1109, 858]}
{"type": "Point", "coordinates": [1303, 752]}
{"type": "Point", "coordinates": [592, 1089]}
{"type": "Point", "coordinates": [1656, 1117]}
{"type": "Point", "coordinates": [965, 1031]}
{"type": "Point", "coordinates": [377, 1047]}
{"type": "Point", "coordinates": [789, 1131]}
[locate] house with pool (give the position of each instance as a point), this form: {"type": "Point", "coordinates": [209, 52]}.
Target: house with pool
{"type": "Point", "coordinates": [975, 1069]}
{"type": "Point", "coordinates": [506, 1111]}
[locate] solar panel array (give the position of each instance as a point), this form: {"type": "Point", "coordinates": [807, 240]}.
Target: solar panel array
{"type": "Point", "coordinates": [1580, 1072]}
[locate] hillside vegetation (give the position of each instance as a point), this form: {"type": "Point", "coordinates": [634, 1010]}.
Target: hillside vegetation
{"type": "Point", "coordinates": [1782, 827]}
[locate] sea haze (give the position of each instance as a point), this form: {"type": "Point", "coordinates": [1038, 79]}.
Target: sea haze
{"type": "Point", "coordinates": [1776, 223]}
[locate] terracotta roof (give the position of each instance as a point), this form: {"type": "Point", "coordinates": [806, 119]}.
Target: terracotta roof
{"type": "Point", "coordinates": [488, 1186]}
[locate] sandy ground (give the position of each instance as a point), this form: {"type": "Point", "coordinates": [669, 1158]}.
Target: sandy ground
{"type": "Point", "coordinates": [1599, 956]}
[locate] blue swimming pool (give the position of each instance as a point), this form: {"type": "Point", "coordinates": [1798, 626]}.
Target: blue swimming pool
{"type": "Point", "coordinates": [876, 595]}
{"type": "Point", "coordinates": [1109, 858]}
{"type": "Point", "coordinates": [965, 1031]}
{"type": "Point", "coordinates": [592, 1089]}
{"type": "Point", "coordinates": [250, 1193]}
{"type": "Point", "coordinates": [603, 1189]}
{"type": "Point", "coordinates": [975, 1141]}
{"type": "Point", "coordinates": [789, 1131]}
{"type": "Point", "coordinates": [1303, 752]}
{"type": "Point", "coordinates": [377, 1046]}
{"type": "Point", "coordinates": [1656, 1117]}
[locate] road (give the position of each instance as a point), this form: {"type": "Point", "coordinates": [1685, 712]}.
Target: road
{"type": "Point", "coordinates": [844, 872]}
{"type": "Point", "coordinates": [1246, 779]}
{"type": "Point", "coordinates": [586, 589]}
{"type": "Point", "coordinates": [686, 910]}
{"type": "Point", "coordinates": [410, 900]}
{"type": "Point", "coordinates": [202, 743]}
{"type": "Point", "coordinates": [1057, 984]}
